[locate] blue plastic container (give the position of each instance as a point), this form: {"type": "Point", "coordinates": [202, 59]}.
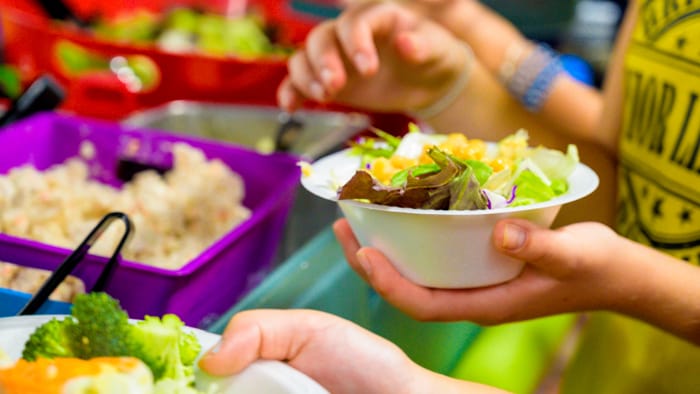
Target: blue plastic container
{"type": "Point", "coordinates": [318, 277]}
{"type": "Point", "coordinates": [12, 302]}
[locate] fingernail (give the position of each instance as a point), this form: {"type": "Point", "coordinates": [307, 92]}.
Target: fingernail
{"type": "Point", "coordinates": [326, 76]}
{"type": "Point", "coordinates": [361, 62]}
{"type": "Point", "coordinates": [513, 237]}
{"type": "Point", "coordinates": [317, 91]}
{"type": "Point", "coordinates": [216, 348]}
{"type": "Point", "coordinates": [364, 262]}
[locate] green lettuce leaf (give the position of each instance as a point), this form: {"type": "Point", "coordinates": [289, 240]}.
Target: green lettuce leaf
{"type": "Point", "coordinates": [447, 184]}
{"type": "Point", "coordinates": [401, 177]}
{"type": "Point", "coordinates": [553, 163]}
{"type": "Point", "coordinates": [531, 189]}
{"type": "Point", "coordinates": [465, 192]}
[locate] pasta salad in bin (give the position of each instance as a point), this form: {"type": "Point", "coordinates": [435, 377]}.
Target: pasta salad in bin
{"type": "Point", "coordinates": [176, 215]}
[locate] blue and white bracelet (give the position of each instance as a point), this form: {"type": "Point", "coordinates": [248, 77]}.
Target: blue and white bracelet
{"type": "Point", "coordinates": [531, 80]}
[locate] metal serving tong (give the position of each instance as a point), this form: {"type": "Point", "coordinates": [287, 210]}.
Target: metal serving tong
{"type": "Point", "coordinates": [77, 256]}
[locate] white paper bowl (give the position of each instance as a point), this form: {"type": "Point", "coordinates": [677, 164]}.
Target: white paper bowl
{"type": "Point", "coordinates": [440, 249]}
{"type": "Point", "coordinates": [263, 376]}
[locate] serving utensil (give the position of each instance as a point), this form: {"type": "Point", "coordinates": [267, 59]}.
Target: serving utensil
{"type": "Point", "coordinates": [77, 256]}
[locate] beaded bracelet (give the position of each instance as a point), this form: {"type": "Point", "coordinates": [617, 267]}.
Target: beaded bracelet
{"type": "Point", "coordinates": [532, 79]}
{"type": "Point", "coordinates": [452, 94]}
{"type": "Point", "coordinates": [511, 59]}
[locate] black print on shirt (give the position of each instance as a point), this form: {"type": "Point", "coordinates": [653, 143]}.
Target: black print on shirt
{"type": "Point", "coordinates": [653, 103]}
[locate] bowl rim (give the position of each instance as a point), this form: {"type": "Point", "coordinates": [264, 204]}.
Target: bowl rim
{"type": "Point", "coordinates": [587, 181]}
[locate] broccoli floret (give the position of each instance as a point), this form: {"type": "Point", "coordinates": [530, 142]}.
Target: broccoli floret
{"type": "Point", "coordinates": [51, 339]}
{"type": "Point", "coordinates": [165, 347]}
{"type": "Point", "coordinates": [102, 329]}
{"type": "Point", "coordinates": [189, 348]}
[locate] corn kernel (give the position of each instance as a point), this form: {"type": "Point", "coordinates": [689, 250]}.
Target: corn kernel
{"type": "Point", "coordinates": [474, 150]}
{"type": "Point", "coordinates": [382, 169]}
{"type": "Point", "coordinates": [400, 162]}
{"type": "Point", "coordinates": [498, 164]}
{"type": "Point", "coordinates": [306, 169]}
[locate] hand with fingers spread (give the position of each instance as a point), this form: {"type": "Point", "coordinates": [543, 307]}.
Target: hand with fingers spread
{"type": "Point", "coordinates": [580, 267]}
{"type": "Point", "coordinates": [377, 56]}
{"type": "Point", "coordinates": [339, 355]}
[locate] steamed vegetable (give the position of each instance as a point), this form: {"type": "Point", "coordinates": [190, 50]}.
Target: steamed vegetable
{"type": "Point", "coordinates": [451, 172]}
{"type": "Point", "coordinates": [99, 327]}
{"type": "Point", "coordinates": [164, 347]}
{"type": "Point", "coordinates": [50, 340]}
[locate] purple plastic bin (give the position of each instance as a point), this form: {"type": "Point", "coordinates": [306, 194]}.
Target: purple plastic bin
{"type": "Point", "coordinates": [206, 286]}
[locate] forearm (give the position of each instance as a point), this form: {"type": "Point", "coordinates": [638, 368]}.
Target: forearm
{"type": "Point", "coordinates": [571, 108]}
{"type": "Point", "coordinates": [660, 290]}
{"type": "Point", "coordinates": [426, 381]}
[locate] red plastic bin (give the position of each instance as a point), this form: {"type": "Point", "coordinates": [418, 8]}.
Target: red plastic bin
{"type": "Point", "coordinates": [206, 286]}
{"type": "Point", "coordinates": [30, 40]}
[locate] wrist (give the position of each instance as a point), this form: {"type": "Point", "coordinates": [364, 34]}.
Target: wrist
{"type": "Point", "coordinates": [529, 73]}
{"type": "Point", "coordinates": [451, 91]}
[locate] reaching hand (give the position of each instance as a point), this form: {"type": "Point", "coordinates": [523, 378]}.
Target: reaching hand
{"type": "Point", "coordinates": [339, 355]}
{"type": "Point", "coordinates": [376, 55]}
{"type": "Point", "coordinates": [568, 270]}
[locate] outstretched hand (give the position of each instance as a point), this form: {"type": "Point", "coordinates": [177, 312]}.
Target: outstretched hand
{"type": "Point", "coordinates": [568, 270]}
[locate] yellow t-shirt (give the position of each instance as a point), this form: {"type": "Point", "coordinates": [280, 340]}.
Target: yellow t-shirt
{"type": "Point", "coordinates": [658, 204]}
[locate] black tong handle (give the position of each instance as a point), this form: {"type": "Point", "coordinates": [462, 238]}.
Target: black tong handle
{"type": "Point", "coordinates": [44, 94]}
{"type": "Point", "coordinates": [76, 257]}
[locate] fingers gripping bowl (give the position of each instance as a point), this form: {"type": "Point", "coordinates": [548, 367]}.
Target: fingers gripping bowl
{"type": "Point", "coordinates": [444, 248]}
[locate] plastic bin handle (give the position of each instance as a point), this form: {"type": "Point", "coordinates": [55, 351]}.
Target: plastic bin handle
{"type": "Point", "coordinates": [77, 256]}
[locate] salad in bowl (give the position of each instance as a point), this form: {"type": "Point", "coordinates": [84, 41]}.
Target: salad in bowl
{"type": "Point", "coordinates": [452, 172]}
{"type": "Point", "coordinates": [429, 201]}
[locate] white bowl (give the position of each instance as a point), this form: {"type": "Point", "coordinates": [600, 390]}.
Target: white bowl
{"type": "Point", "coordinates": [435, 248]}
{"type": "Point", "coordinates": [262, 376]}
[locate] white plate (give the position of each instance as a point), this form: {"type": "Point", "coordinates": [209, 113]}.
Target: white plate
{"type": "Point", "coordinates": [263, 376]}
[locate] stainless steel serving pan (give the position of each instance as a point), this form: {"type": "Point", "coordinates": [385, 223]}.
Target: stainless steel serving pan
{"type": "Point", "coordinates": [307, 133]}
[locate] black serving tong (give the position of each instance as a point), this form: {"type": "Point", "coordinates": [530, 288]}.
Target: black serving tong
{"type": "Point", "coordinates": [44, 94]}
{"type": "Point", "coordinates": [77, 256]}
